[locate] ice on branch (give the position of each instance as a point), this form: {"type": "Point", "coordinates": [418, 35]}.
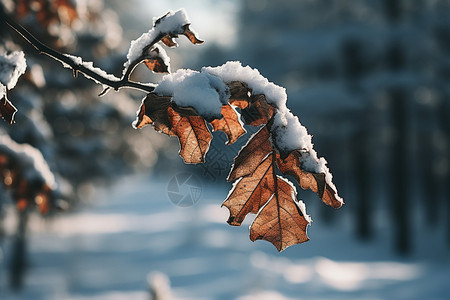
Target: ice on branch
{"type": "Point", "coordinates": [172, 23]}
{"type": "Point", "coordinates": [204, 92]}
{"type": "Point", "coordinates": [11, 67]}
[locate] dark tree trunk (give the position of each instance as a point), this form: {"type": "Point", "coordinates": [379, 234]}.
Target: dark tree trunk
{"type": "Point", "coordinates": [399, 172]}
{"type": "Point", "coordinates": [362, 173]}
{"type": "Point", "coordinates": [18, 259]}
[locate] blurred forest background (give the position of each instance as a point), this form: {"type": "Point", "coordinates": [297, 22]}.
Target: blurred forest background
{"type": "Point", "coordinates": [369, 80]}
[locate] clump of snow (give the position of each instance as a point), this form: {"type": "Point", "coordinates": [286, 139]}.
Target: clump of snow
{"type": "Point", "coordinates": [30, 159]}
{"type": "Point", "coordinates": [234, 71]}
{"type": "Point", "coordinates": [11, 67]}
{"type": "Point", "coordinates": [289, 133]}
{"type": "Point", "coordinates": [202, 91]}
{"type": "Point", "coordinates": [158, 51]}
{"type": "Point", "coordinates": [2, 91]}
{"type": "Point", "coordinates": [171, 23]}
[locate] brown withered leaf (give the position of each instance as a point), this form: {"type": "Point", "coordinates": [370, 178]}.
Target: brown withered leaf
{"type": "Point", "coordinates": [154, 60]}
{"type": "Point", "coordinates": [193, 135]}
{"type": "Point", "coordinates": [280, 221]}
{"type": "Point", "coordinates": [191, 35]}
{"type": "Point", "coordinates": [230, 124]}
{"type": "Point", "coordinates": [251, 192]}
{"type": "Point", "coordinates": [156, 65]}
{"type": "Point", "coordinates": [258, 112]}
{"type": "Point", "coordinates": [168, 41]}
{"type": "Point", "coordinates": [153, 111]}
{"type": "Point", "coordinates": [291, 165]}
{"type": "Point", "coordinates": [7, 110]}
{"type": "Point", "coordinates": [251, 155]}
{"type": "Point", "coordinates": [239, 94]}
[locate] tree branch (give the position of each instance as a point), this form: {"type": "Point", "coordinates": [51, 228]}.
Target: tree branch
{"type": "Point", "coordinates": [86, 68]}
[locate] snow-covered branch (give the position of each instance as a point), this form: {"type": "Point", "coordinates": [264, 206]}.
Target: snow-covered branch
{"type": "Point", "coordinates": [75, 63]}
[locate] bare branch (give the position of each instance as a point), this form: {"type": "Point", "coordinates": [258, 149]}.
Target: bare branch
{"type": "Point", "coordinates": [86, 68]}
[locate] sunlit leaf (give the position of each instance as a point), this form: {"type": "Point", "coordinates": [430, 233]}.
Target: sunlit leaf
{"type": "Point", "coordinates": [153, 111]}
{"type": "Point", "coordinates": [7, 110]}
{"type": "Point", "coordinates": [169, 41]}
{"type": "Point", "coordinates": [239, 94]}
{"type": "Point", "coordinates": [193, 135]}
{"type": "Point", "coordinates": [258, 112]}
{"type": "Point", "coordinates": [314, 181]}
{"type": "Point", "coordinates": [251, 192]}
{"type": "Point", "coordinates": [251, 155]}
{"type": "Point", "coordinates": [155, 59]}
{"type": "Point", "coordinates": [191, 35]}
{"type": "Point", "coordinates": [280, 221]}
{"type": "Point", "coordinates": [230, 124]}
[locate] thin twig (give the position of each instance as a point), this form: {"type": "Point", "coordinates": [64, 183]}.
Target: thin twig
{"type": "Point", "coordinates": [114, 83]}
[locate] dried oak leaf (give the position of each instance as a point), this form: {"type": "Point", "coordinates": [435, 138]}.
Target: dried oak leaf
{"type": "Point", "coordinates": [292, 166]}
{"type": "Point", "coordinates": [193, 134]}
{"type": "Point", "coordinates": [169, 41]}
{"type": "Point", "coordinates": [154, 60]}
{"type": "Point", "coordinates": [251, 192]}
{"type": "Point", "coordinates": [239, 94]}
{"type": "Point", "coordinates": [166, 117]}
{"type": "Point", "coordinates": [191, 35]}
{"type": "Point", "coordinates": [230, 124]}
{"type": "Point", "coordinates": [153, 111]}
{"type": "Point", "coordinates": [258, 112]}
{"type": "Point", "coordinates": [7, 110]}
{"type": "Point", "coordinates": [280, 221]}
{"type": "Point", "coordinates": [251, 155]}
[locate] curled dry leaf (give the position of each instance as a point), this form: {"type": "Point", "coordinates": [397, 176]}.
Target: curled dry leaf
{"type": "Point", "coordinates": [191, 35]}
{"type": "Point", "coordinates": [251, 155]}
{"type": "Point", "coordinates": [239, 94]}
{"type": "Point", "coordinates": [193, 135]}
{"type": "Point", "coordinates": [258, 112]}
{"type": "Point", "coordinates": [280, 221]}
{"type": "Point", "coordinates": [260, 191]}
{"type": "Point", "coordinates": [169, 41]}
{"type": "Point", "coordinates": [254, 108]}
{"type": "Point", "coordinates": [7, 110]}
{"type": "Point", "coordinates": [230, 124]}
{"type": "Point", "coordinates": [251, 192]}
{"type": "Point", "coordinates": [154, 60]}
{"type": "Point", "coordinates": [166, 117]}
{"type": "Point", "coordinates": [292, 166]}
{"type": "Point", "coordinates": [156, 65]}
{"type": "Point", "coordinates": [153, 111]}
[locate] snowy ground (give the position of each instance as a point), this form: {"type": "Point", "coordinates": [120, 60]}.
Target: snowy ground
{"type": "Point", "coordinates": [108, 251]}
